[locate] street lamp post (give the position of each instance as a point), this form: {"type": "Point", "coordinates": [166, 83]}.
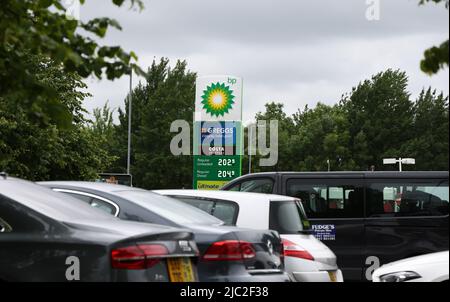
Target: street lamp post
{"type": "Point", "coordinates": [250, 140]}
{"type": "Point", "coordinates": [130, 100]}
{"type": "Point", "coordinates": [400, 161]}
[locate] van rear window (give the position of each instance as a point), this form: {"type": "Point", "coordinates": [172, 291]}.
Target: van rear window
{"type": "Point", "coordinates": [288, 217]}
{"type": "Point", "coordinates": [408, 198]}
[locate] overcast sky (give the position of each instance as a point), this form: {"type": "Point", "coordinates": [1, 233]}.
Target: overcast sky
{"type": "Point", "coordinates": [296, 52]}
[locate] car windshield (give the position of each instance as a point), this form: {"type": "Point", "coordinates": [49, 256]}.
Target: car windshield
{"type": "Point", "coordinates": [169, 208]}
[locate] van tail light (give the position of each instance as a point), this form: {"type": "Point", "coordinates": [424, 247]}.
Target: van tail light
{"type": "Point", "coordinates": [293, 250]}
{"type": "Point", "coordinates": [136, 257]}
{"type": "Point", "coordinates": [230, 250]}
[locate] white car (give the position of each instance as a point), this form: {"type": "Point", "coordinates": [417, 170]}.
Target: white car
{"type": "Point", "coordinates": [426, 268]}
{"type": "Point", "coordinates": [306, 258]}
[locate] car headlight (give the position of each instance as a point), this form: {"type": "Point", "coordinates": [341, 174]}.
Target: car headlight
{"type": "Point", "coordinates": [400, 277]}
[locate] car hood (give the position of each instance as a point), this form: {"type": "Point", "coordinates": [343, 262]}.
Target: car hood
{"type": "Point", "coordinates": [442, 257]}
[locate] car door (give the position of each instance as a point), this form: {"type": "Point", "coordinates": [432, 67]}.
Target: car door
{"type": "Point", "coordinates": [20, 260]}
{"type": "Point", "coordinates": [335, 207]}
{"type": "Point", "coordinates": [405, 218]}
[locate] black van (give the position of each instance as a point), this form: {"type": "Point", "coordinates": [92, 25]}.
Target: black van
{"type": "Point", "coordinates": [367, 218]}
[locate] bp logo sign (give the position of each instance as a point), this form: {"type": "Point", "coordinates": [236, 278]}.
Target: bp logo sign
{"type": "Point", "coordinates": [218, 99]}
{"type": "Point", "coordinates": [218, 131]}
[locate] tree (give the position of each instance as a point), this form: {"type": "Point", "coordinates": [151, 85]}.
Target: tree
{"type": "Point", "coordinates": [32, 150]}
{"type": "Point", "coordinates": [167, 95]}
{"type": "Point", "coordinates": [105, 132]}
{"type": "Point", "coordinates": [436, 57]}
{"type": "Point", "coordinates": [103, 124]}
{"type": "Point", "coordinates": [40, 27]}
{"type": "Point", "coordinates": [380, 117]}
{"type": "Point", "coordinates": [274, 111]}
{"type": "Point", "coordinates": [321, 134]}
{"type": "Point", "coordinates": [429, 145]}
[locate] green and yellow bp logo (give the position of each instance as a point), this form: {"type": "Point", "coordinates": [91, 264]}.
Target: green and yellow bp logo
{"type": "Point", "coordinates": [217, 99]}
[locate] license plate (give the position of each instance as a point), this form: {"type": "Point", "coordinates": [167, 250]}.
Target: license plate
{"type": "Point", "coordinates": [180, 270]}
{"type": "Point", "coordinates": [333, 276]}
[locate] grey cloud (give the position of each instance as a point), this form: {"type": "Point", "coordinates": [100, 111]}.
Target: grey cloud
{"type": "Point", "coordinates": [175, 23]}
{"type": "Point", "coordinates": [297, 52]}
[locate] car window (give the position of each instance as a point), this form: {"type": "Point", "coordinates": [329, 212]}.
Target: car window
{"type": "Point", "coordinates": [169, 208]}
{"type": "Point", "coordinates": [15, 217]}
{"type": "Point", "coordinates": [202, 204]}
{"type": "Point", "coordinates": [393, 198]}
{"type": "Point", "coordinates": [329, 199]}
{"type": "Point", "coordinates": [288, 217]}
{"type": "Point", "coordinates": [103, 205]}
{"type": "Point", "coordinates": [227, 211]}
{"type": "Point", "coordinates": [4, 226]}
{"type": "Point", "coordinates": [86, 199]}
{"type": "Point", "coordinates": [97, 203]}
{"type": "Point", "coordinates": [257, 185]}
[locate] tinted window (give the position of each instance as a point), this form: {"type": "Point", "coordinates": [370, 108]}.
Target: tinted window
{"type": "Point", "coordinates": [407, 198]}
{"type": "Point", "coordinates": [257, 185]}
{"type": "Point", "coordinates": [17, 218]}
{"type": "Point", "coordinates": [4, 226]}
{"type": "Point", "coordinates": [227, 211]}
{"type": "Point", "coordinates": [84, 198]}
{"type": "Point", "coordinates": [96, 203]}
{"type": "Point", "coordinates": [328, 198]}
{"type": "Point", "coordinates": [52, 204]}
{"type": "Point", "coordinates": [104, 206]}
{"type": "Point", "coordinates": [287, 217]}
{"type": "Point", "coordinates": [169, 208]}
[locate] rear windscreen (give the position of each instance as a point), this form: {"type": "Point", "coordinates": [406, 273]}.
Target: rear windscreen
{"type": "Point", "coordinates": [288, 217]}
{"type": "Point", "coordinates": [169, 208]}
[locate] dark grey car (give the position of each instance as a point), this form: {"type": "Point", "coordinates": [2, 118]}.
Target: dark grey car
{"type": "Point", "coordinates": [47, 236]}
{"type": "Point", "coordinates": [227, 253]}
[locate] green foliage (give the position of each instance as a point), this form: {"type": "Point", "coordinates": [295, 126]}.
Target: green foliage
{"type": "Point", "coordinates": [167, 95]}
{"type": "Point", "coordinates": [40, 27]}
{"type": "Point", "coordinates": [436, 57]}
{"type": "Point", "coordinates": [322, 134]}
{"type": "Point", "coordinates": [429, 144]}
{"type": "Point", "coordinates": [103, 125]}
{"type": "Point", "coordinates": [274, 111]}
{"type": "Point", "coordinates": [36, 151]}
{"type": "Point", "coordinates": [446, 2]}
{"type": "Point", "coordinates": [380, 116]}
{"type": "Point", "coordinates": [376, 120]}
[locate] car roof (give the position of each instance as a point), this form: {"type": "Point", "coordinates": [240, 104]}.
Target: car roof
{"type": "Point", "coordinates": [100, 186]}
{"type": "Point", "coordinates": [366, 174]}
{"type": "Point", "coordinates": [227, 195]}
